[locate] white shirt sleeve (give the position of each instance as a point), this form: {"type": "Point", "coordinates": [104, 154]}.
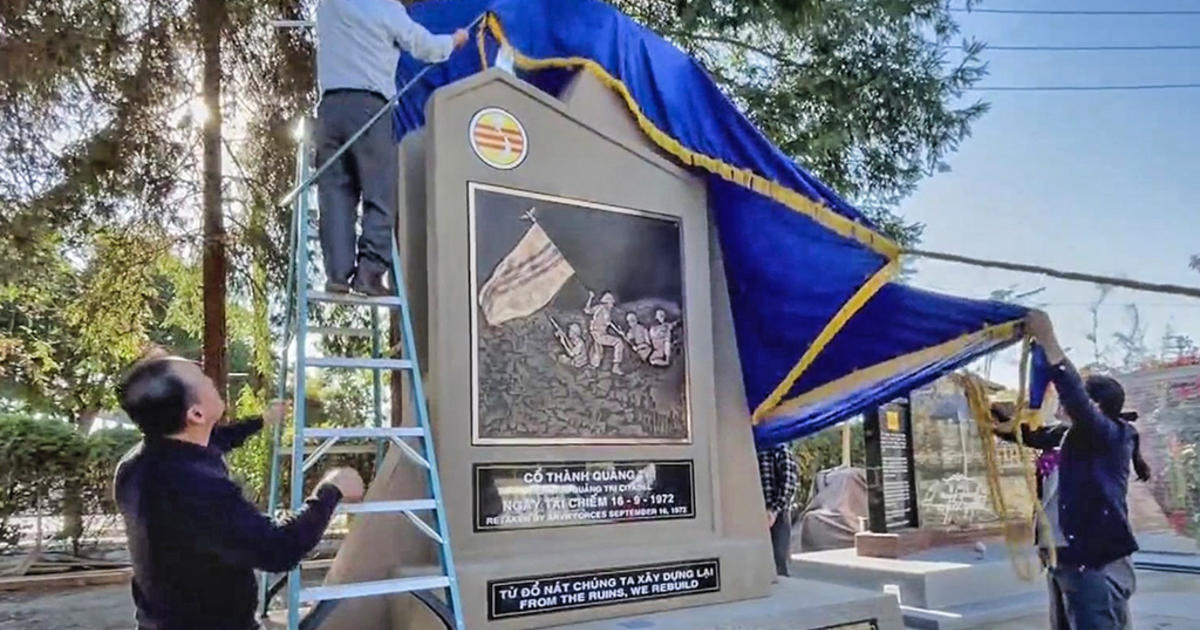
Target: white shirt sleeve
{"type": "Point", "coordinates": [416, 39]}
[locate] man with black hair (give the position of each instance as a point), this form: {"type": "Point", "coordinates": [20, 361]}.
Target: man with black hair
{"type": "Point", "coordinates": [194, 540]}
{"type": "Point", "coordinates": [1086, 513]}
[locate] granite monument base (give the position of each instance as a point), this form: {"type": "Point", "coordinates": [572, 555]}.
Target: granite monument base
{"type": "Point", "coordinates": [908, 542]}
{"type": "Point", "coordinates": [793, 604]}
{"type": "Point", "coordinates": [941, 589]}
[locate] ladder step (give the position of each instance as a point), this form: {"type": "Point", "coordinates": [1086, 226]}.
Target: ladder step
{"type": "Point", "coordinates": [338, 331]}
{"type": "Point", "coordinates": [356, 363]}
{"type": "Point", "coordinates": [351, 298]}
{"type": "Point", "coordinates": [377, 587]}
{"type": "Point", "coordinates": [380, 507]}
{"type": "Point", "coordinates": [352, 433]}
{"type": "Point", "coordinates": [340, 449]}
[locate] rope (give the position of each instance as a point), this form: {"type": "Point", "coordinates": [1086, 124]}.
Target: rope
{"type": "Point", "coordinates": [1136, 285]}
{"type": "Point", "coordinates": [978, 403]}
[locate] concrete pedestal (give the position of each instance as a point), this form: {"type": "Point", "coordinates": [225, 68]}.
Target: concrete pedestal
{"type": "Point", "coordinates": [793, 604]}
{"type": "Point", "coordinates": [942, 588]}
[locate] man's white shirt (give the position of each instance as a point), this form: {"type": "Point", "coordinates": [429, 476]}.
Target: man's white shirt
{"type": "Point", "coordinates": [359, 44]}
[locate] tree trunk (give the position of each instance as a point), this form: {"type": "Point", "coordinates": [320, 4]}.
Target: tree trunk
{"type": "Point", "coordinates": [211, 17]}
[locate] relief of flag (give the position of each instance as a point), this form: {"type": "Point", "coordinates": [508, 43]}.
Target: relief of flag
{"type": "Point", "coordinates": [525, 280]}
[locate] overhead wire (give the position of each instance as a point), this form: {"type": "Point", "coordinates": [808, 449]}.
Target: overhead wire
{"type": "Point", "coordinates": [1090, 12]}
{"type": "Point", "coordinates": [1086, 48]}
{"type": "Point", "coordinates": [1129, 87]}
{"type": "Point", "coordinates": [1134, 87]}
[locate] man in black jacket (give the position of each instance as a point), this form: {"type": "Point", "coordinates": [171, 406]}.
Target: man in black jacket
{"type": "Point", "coordinates": [193, 538]}
{"type": "Point", "coordinates": [1088, 519]}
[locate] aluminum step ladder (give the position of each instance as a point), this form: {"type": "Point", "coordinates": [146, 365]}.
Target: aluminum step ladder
{"type": "Point", "coordinates": [309, 444]}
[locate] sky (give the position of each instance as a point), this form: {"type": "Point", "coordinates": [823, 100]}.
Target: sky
{"type": "Point", "coordinates": [1103, 182]}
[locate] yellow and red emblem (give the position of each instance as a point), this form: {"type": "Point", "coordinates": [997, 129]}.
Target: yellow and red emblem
{"type": "Point", "coordinates": [498, 138]}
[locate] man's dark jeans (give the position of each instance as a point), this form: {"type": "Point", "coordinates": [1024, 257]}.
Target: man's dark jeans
{"type": "Point", "coordinates": [366, 172]}
{"type": "Point", "coordinates": [1084, 598]}
{"type": "Point", "coordinates": [781, 542]}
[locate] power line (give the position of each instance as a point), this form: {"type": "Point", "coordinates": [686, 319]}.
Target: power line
{"type": "Point", "coordinates": [1091, 48]}
{"type": "Point", "coordinates": [1084, 88]}
{"type": "Point", "coordinates": [1077, 11]}
{"type": "Point", "coordinates": [1136, 285]}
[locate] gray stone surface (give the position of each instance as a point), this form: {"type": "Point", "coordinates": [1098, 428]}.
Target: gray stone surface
{"type": "Point", "coordinates": [793, 604]}
{"type": "Point", "coordinates": [570, 156]}
{"type": "Point", "coordinates": [1164, 601]}
{"type": "Point", "coordinates": [584, 149]}
{"type": "Point", "coordinates": [936, 579]}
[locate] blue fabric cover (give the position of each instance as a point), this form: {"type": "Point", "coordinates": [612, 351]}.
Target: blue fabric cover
{"type": "Point", "coordinates": [787, 275]}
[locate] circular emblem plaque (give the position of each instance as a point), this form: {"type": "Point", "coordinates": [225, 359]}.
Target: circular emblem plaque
{"type": "Point", "coordinates": [498, 138]}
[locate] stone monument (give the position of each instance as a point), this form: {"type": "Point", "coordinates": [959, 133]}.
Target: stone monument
{"type": "Point", "coordinates": [934, 536]}
{"type": "Point", "coordinates": [891, 477]}
{"type": "Point", "coordinates": [596, 454]}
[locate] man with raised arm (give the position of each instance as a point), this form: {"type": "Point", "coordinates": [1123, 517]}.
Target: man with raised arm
{"type": "Point", "coordinates": [1094, 577]}
{"type": "Point", "coordinates": [358, 45]}
{"type": "Point", "coordinates": [194, 540]}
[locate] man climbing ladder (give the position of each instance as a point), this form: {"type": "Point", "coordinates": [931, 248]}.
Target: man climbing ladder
{"type": "Point", "coordinates": [358, 46]}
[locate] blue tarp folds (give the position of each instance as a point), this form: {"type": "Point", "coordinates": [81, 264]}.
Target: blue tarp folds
{"type": "Point", "coordinates": [787, 274]}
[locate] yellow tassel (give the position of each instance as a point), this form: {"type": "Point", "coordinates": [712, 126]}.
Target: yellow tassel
{"type": "Point", "coordinates": [981, 410]}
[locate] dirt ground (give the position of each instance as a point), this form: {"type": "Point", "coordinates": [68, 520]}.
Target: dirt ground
{"type": "Point", "coordinates": [92, 608]}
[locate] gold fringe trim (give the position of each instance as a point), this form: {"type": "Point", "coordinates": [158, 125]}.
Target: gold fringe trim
{"type": "Point", "coordinates": [820, 213]}
{"type": "Point", "coordinates": [831, 329]}
{"type": "Point", "coordinates": [883, 369]}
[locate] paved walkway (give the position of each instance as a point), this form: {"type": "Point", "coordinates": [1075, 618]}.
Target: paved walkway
{"type": "Point", "coordinates": [1164, 601]}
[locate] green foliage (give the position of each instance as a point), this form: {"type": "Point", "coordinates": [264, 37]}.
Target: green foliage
{"type": "Point", "coordinates": [39, 459]}
{"type": "Point", "coordinates": [250, 465]}
{"type": "Point", "coordinates": [105, 448]}
{"type": "Point", "coordinates": [861, 92]}
{"type": "Point", "coordinates": [36, 458]}
{"type": "Point", "coordinates": [69, 327]}
{"type": "Point", "coordinates": [822, 451]}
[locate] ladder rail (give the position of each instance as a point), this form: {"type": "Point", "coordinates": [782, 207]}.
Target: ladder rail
{"type": "Point", "coordinates": [299, 411]}
{"type": "Point", "coordinates": [282, 381]}
{"type": "Point", "coordinates": [408, 339]}
{"type": "Point", "coordinates": [377, 383]}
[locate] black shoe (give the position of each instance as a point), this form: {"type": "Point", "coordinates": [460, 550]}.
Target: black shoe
{"type": "Point", "coordinates": [336, 287]}
{"type": "Point", "coordinates": [370, 283]}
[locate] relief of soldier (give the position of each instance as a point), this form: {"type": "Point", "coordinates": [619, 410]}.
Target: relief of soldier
{"type": "Point", "coordinates": [653, 345]}
{"type": "Point", "coordinates": [598, 326]}
{"type": "Point", "coordinates": [574, 347]}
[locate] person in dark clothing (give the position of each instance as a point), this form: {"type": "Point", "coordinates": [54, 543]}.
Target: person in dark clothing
{"type": "Point", "coordinates": [1085, 491]}
{"type": "Point", "coordinates": [779, 475]}
{"type": "Point", "coordinates": [1048, 438]}
{"type": "Point", "coordinates": [194, 540]}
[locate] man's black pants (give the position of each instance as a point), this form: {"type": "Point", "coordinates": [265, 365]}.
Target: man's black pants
{"type": "Point", "coordinates": [781, 542]}
{"type": "Point", "coordinates": [366, 172]}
